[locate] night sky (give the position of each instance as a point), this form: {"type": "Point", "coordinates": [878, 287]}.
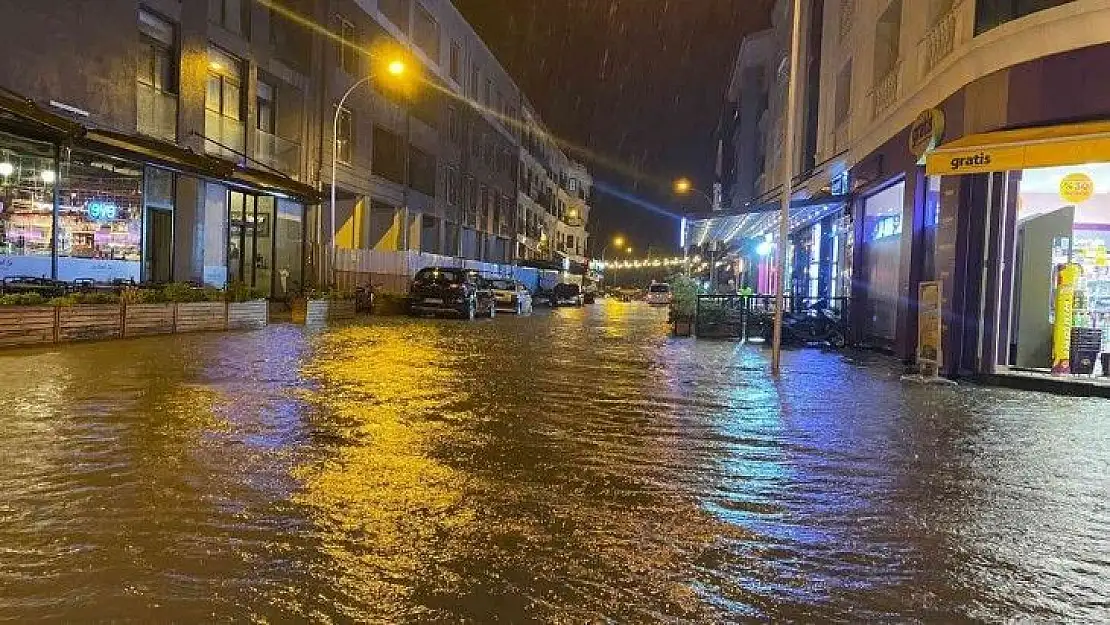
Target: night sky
{"type": "Point", "coordinates": [639, 83]}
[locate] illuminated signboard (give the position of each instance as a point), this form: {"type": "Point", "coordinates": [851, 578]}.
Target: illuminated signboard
{"type": "Point", "coordinates": [101, 210]}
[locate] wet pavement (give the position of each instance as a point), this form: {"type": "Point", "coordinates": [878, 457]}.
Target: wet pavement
{"type": "Point", "coordinates": [574, 466]}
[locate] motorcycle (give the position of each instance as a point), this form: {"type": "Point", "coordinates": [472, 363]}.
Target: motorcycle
{"type": "Point", "coordinates": [816, 324]}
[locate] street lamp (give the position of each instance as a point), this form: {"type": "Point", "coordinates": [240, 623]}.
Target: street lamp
{"type": "Point", "coordinates": [683, 186]}
{"type": "Point", "coordinates": [395, 68]}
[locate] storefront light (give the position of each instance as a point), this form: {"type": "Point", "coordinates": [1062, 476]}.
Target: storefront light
{"type": "Point", "coordinates": [6, 169]}
{"type": "Point", "coordinates": [48, 176]}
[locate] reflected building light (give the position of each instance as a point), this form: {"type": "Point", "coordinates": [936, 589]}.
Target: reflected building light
{"type": "Point", "coordinates": [48, 176]}
{"type": "Point", "coordinates": [6, 169]}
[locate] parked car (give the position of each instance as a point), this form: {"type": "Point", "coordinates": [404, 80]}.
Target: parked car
{"type": "Point", "coordinates": [511, 295]}
{"type": "Point", "coordinates": [566, 295]}
{"type": "Point", "coordinates": [659, 294]}
{"type": "Point", "coordinates": [437, 290]}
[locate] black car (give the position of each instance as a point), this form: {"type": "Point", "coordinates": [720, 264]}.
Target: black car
{"type": "Point", "coordinates": [463, 292]}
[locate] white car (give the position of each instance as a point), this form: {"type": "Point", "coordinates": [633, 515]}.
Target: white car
{"type": "Point", "coordinates": [511, 296]}
{"type": "Point", "coordinates": [659, 294]}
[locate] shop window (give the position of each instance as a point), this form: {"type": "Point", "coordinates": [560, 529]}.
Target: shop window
{"type": "Point", "coordinates": [992, 13]}
{"type": "Point", "coordinates": [389, 155]}
{"type": "Point", "coordinates": [425, 33]}
{"type": "Point", "coordinates": [27, 177]}
{"type": "Point", "coordinates": [345, 136]}
{"type": "Point", "coordinates": [423, 171]}
{"type": "Point", "coordinates": [99, 218]}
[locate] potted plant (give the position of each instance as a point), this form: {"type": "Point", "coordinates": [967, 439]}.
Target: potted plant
{"type": "Point", "coordinates": [684, 302]}
{"type": "Point", "coordinates": [246, 306]}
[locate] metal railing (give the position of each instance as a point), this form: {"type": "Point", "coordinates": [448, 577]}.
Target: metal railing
{"type": "Point", "coordinates": [227, 136]}
{"type": "Point", "coordinates": [750, 316]}
{"type": "Point", "coordinates": [278, 153]}
{"type": "Point", "coordinates": [940, 40]}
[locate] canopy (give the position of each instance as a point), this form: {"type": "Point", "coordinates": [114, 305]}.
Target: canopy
{"type": "Point", "coordinates": [1005, 150]}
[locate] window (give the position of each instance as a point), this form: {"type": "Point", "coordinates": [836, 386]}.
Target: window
{"type": "Point", "coordinates": [267, 110]}
{"type": "Point", "coordinates": [425, 33]}
{"type": "Point", "coordinates": [992, 13]}
{"type": "Point", "coordinates": [422, 176]}
{"type": "Point", "coordinates": [348, 52]}
{"type": "Point", "coordinates": [156, 62]}
{"type": "Point", "coordinates": [888, 31]}
{"type": "Point", "coordinates": [843, 93]}
{"type": "Point", "coordinates": [489, 93]}
{"type": "Point", "coordinates": [224, 84]}
{"type": "Point", "coordinates": [475, 79]}
{"type": "Point", "coordinates": [572, 184]}
{"type": "Point", "coordinates": [455, 63]}
{"type": "Point", "coordinates": [452, 186]}
{"type": "Point", "coordinates": [344, 136]}
{"type": "Point", "coordinates": [396, 11]}
{"type": "Point", "coordinates": [453, 125]}
{"type": "Point", "coordinates": [389, 155]}
{"type": "Point", "coordinates": [233, 15]}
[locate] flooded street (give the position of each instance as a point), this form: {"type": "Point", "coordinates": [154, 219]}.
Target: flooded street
{"type": "Point", "coordinates": [572, 466]}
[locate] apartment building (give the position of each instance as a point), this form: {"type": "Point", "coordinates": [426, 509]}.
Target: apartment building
{"type": "Point", "coordinates": [171, 140]}
{"type": "Point", "coordinates": [959, 142]}
{"type": "Point", "coordinates": [553, 200]}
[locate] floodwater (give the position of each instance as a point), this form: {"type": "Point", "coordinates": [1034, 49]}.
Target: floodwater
{"type": "Point", "coordinates": [572, 466]}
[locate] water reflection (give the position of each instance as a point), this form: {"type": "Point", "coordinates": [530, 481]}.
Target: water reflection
{"type": "Point", "coordinates": [573, 466]}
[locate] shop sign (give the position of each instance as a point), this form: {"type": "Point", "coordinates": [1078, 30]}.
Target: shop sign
{"type": "Point", "coordinates": [101, 210]}
{"type": "Point", "coordinates": [1067, 277]}
{"type": "Point", "coordinates": [926, 131]}
{"type": "Point", "coordinates": [928, 328]}
{"type": "Point", "coordinates": [841, 183]}
{"type": "Point", "coordinates": [1076, 188]}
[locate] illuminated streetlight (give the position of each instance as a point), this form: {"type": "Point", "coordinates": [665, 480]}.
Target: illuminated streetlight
{"type": "Point", "coordinates": [396, 68]}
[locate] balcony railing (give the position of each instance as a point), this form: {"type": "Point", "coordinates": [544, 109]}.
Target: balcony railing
{"type": "Point", "coordinates": [278, 153]}
{"type": "Point", "coordinates": [940, 40]}
{"type": "Point", "coordinates": [885, 93]}
{"type": "Point", "coordinates": [847, 17]}
{"type": "Point", "coordinates": [156, 113]}
{"type": "Point", "coordinates": [226, 136]}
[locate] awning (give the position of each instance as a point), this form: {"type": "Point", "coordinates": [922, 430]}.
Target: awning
{"type": "Point", "coordinates": [1005, 150]}
{"type": "Point", "coordinates": [761, 219]}
{"type": "Point", "coordinates": [22, 116]}
{"type": "Point", "coordinates": [174, 157]}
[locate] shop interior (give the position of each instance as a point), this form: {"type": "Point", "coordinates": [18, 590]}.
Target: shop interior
{"type": "Point", "coordinates": [1057, 225]}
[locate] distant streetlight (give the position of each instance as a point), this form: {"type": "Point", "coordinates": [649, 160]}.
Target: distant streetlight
{"type": "Point", "coordinates": [396, 68]}
{"type": "Point", "coordinates": [683, 186]}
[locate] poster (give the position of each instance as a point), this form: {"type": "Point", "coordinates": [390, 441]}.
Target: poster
{"type": "Point", "coordinates": [1067, 276]}
{"type": "Point", "coordinates": [928, 328]}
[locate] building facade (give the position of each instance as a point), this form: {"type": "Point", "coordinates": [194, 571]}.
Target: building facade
{"type": "Point", "coordinates": [964, 141]}
{"type": "Point", "coordinates": [193, 141]}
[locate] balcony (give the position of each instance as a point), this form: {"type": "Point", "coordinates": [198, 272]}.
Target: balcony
{"type": "Point", "coordinates": [940, 40]}
{"type": "Point", "coordinates": [885, 92]}
{"type": "Point", "coordinates": [847, 18]}
{"type": "Point", "coordinates": [156, 113]}
{"type": "Point", "coordinates": [224, 136]}
{"type": "Point", "coordinates": [277, 153]}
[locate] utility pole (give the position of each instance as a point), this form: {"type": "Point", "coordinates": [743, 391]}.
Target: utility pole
{"type": "Point", "coordinates": [787, 185]}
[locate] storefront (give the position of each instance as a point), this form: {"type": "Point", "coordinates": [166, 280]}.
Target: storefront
{"type": "Point", "coordinates": [81, 204]}
{"type": "Point", "coordinates": [881, 247]}
{"type": "Point", "coordinates": [1044, 194]}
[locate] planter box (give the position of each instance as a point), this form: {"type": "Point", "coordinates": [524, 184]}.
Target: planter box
{"type": "Point", "coordinates": [201, 316]}
{"type": "Point", "coordinates": [89, 322]}
{"type": "Point", "coordinates": [247, 315]}
{"type": "Point", "coordinates": [310, 311]}
{"type": "Point", "coordinates": [341, 309]}
{"type": "Point", "coordinates": [683, 327]}
{"type": "Point", "coordinates": [27, 325]}
{"type": "Point", "coordinates": [148, 319]}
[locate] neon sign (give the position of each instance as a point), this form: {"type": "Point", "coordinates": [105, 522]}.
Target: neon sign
{"type": "Point", "coordinates": [100, 210]}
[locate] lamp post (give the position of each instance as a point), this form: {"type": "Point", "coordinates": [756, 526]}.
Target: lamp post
{"type": "Point", "coordinates": [683, 186]}
{"type": "Point", "coordinates": [787, 188]}
{"type": "Point", "coordinates": [395, 68]}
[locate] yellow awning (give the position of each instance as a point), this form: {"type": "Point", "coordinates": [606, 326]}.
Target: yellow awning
{"type": "Point", "coordinates": [1004, 150]}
